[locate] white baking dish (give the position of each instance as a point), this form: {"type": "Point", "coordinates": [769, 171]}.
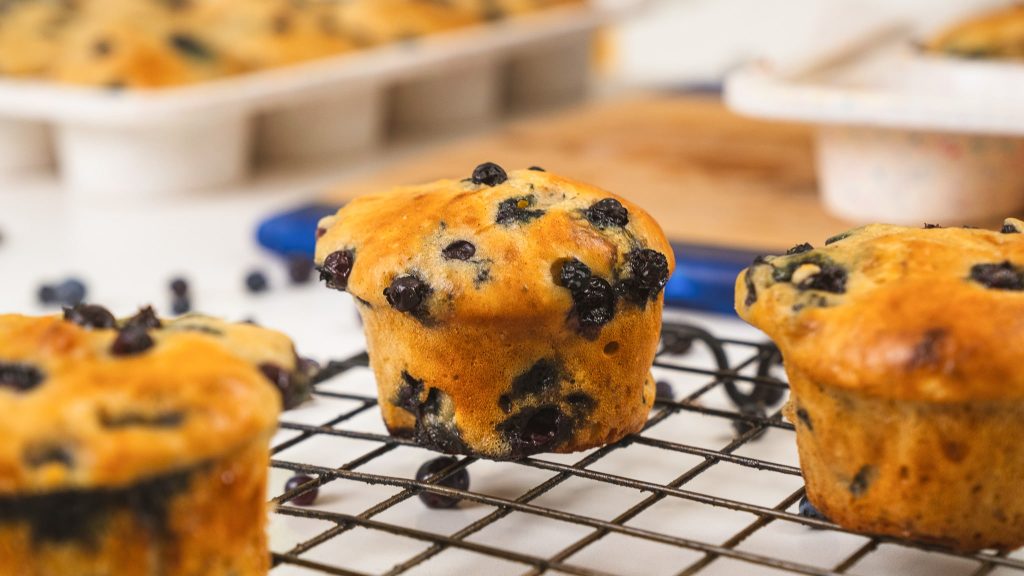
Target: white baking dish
{"type": "Point", "coordinates": [904, 137]}
{"type": "Point", "coordinates": [195, 137]}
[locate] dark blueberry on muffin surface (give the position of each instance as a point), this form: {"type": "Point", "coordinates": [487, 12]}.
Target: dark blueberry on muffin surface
{"type": "Point", "coordinates": [517, 210]}
{"type": "Point", "coordinates": [19, 377]}
{"type": "Point", "coordinates": [489, 174]}
{"type": "Point", "coordinates": [406, 293]}
{"type": "Point", "coordinates": [131, 340]}
{"type": "Point", "coordinates": [608, 213]}
{"type": "Point", "coordinates": [459, 250]}
{"type": "Point", "coordinates": [1003, 276]}
{"type": "Point", "coordinates": [831, 278]}
{"type": "Point", "coordinates": [649, 274]}
{"type": "Point", "coordinates": [90, 316]}
{"type": "Point", "coordinates": [799, 249]}
{"type": "Point", "coordinates": [572, 274]}
{"type": "Point", "coordinates": [594, 302]}
{"type": "Point", "coordinates": [145, 318]}
{"type": "Point", "coordinates": [337, 268]}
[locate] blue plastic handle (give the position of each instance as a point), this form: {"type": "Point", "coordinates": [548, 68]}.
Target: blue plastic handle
{"type": "Point", "coordinates": [704, 277]}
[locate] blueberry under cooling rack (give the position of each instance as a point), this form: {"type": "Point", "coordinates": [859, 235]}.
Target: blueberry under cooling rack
{"type": "Point", "coordinates": [710, 486]}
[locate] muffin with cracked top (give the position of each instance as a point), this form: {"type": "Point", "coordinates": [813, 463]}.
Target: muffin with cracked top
{"type": "Point", "coordinates": [904, 359]}
{"type": "Point", "coordinates": [507, 313]}
{"type": "Point", "coordinates": [130, 448]}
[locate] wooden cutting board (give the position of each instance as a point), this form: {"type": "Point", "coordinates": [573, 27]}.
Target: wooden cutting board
{"type": "Point", "coordinates": [707, 175]}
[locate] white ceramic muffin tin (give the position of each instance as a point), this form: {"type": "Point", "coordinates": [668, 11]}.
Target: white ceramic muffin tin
{"type": "Point", "coordinates": [903, 137]}
{"type": "Point", "coordinates": [210, 135]}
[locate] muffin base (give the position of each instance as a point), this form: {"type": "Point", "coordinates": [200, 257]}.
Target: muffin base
{"type": "Point", "coordinates": [209, 519]}
{"type": "Point", "coordinates": [943, 474]}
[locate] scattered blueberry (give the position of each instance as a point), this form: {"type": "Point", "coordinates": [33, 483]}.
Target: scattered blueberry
{"type": "Point", "coordinates": [459, 250]}
{"type": "Point", "coordinates": [131, 340]}
{"type": "Point", "coordinates": [145, 318]}
{"type": "Point", "coordinates": [306, 498]}
{"type": "Point", "coordinates": [19, 377]}
{"type": "Point", "coordinates": [256, 282]}
{"type": "Point", "coordinates": [799, 249]}
{"type": "Point", "coordinates": [47, 294]}
{"type": "Point", "coordinates": [489, 174]}
{"type": "Point", "coordinates": [807, 510]}
{"type": "Point", "coordinates": [181, 305]}
{"type": "Point", "coordinates": [406, 293]}
{"type": "Point", "coordinates": [674, 343]}
{"type": "Point", "coordinates": [337, 268]}
{"type": "Point", "coordinates": [664, 391]}
{"type": "Point", "coordinates": [179, 287]}
{"type": "Point", "coordinates": [90, 316]}
{"type": "Point", "coordinates": [71, 291]}
{"type": "Point", "coordinates": [1003, 276]}
{"type": "Point", "coordinates": [608, 212]}
{"type": "Point", "coordinates": [458, 480]}
{"type": "Point", "coordinates": [300, 268]}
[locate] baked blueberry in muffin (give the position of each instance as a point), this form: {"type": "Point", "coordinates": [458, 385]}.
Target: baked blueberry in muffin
{"type": "Point", "coordinates": [508, 313]}
{"type": "Point", "coordinates": [903, 353]}
{"type": "Point", "coordinates": [130, 450]}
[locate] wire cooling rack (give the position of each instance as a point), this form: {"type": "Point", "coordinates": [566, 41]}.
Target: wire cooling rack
{"type": "Point", "coordinates": [710, 486]}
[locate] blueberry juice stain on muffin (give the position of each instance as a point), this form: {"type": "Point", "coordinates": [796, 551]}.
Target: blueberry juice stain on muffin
{"type": "Point", "coordinates": [480, 298]}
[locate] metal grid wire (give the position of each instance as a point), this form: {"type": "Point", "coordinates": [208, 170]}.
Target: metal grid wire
{"type": "Point", "coordinates": [756, 391]}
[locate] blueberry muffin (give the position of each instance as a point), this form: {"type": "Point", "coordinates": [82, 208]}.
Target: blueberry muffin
{"type": "Point", "coordinates": [998, 34]}
{"type": "Point", "coordinates": [507, 313]}
{"type": "Point", "coordinates": [374, 22]}
{"type": "Point", "coordinates": [262, 34]}
{"type": "Point", "coordinates": [138, 45]}
{"type": "Point", "coordinates": [904, 363]}
{"type": "Point", "coordinates": [498, 9]}
{"type": "Point", "coordinates": [130, 450]}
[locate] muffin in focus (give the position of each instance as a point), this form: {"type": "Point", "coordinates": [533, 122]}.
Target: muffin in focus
{"type": "Point", "coordinates": [507, 313]}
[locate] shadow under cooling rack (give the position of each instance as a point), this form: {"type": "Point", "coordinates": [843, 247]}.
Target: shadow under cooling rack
{"type": "Point", "coordinates": [710, 486]}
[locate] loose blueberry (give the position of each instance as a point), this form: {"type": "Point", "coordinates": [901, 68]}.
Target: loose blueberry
{"type": "Point", "coordinates": [572, 274]}
{"type": "Point", "coordinates": [517, 210]}
{"type": "Point", "coordinates": [306, 498]}
{"type": "Point", "coordinates": [489, 174]}
{"type": "Point", "coordinates": [406, 293]}
{"type": "Point", "coordinates": [179, 287]}
{"type": "Point", "coordinates": [594, 303]}
{"type": "Point", "coordinates": [607, 213]}
{"type": "Point", "coordinates": [131, 340]}
{"type": "Point", "coordinates": [300, 268]}
{"type": "Point", "coordinates": [71, 292]}
{"type": "Point", "coordinates": [145, 318]}
{"type": "Point", "coordinates": [337, 268]}
{"type": "Point", "coordinates": [47, 294]}
{"type": "Point", "coordinates": [663, 391]}
{"type": "Point", "coordinates": [799, 249]}
{"type": "Point", "coordinates": [1004, 276]}
{"type": "Point", "coordinates": [181, 305]}
{"type": "Point", "coordinates": [807, 510]}
{"type": "Point", "coordinates": [459, 250]}
{"type": "Point", "coordinates": [458, 480]}
{"type": "Point", "coordinates": [831, 278]}
{"type": "Point", "coordinates": [90, 316]}
{"type": "Point", "coordinates": [19, 377]}
{"type": "Point", "coordinates": [648, 276]}
{"type": "Point", "coordinates": [256, 282]}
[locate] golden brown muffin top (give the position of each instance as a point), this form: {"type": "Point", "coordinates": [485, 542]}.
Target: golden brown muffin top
{"type": "Point", "coordinates": [92, 407]}
{"type": "Point", "coordinates": [931, 314]}
{"type": "Point", "coordinates": [495, 246]}
{"type": "Point", "coordinates": [995, 34]}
